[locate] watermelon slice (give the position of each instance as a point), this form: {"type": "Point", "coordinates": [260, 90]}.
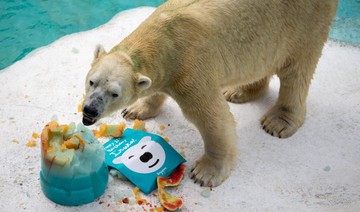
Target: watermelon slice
{"type": "Point", "coordinates": [170, 202]}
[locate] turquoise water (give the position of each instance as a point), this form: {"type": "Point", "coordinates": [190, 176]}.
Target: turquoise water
{"type": "Point", "coordinates": [28, 24]}
{"type": "Point", "coordinates": [346, 25]}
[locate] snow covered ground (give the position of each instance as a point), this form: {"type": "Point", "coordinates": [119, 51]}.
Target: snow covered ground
{"type": "Point", "coordinates": [318, 169]}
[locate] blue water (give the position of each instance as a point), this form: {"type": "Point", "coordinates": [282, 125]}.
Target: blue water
{"type": "Point", "coordinates": [28, 24]}
{"type": "Point", "coordinates": [346, 25]}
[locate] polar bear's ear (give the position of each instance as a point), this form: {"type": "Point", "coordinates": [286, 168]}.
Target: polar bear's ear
{"type": "Point", "coordinates": [99, 50]}
{"type": "Point", "coordinates": [143, 82]}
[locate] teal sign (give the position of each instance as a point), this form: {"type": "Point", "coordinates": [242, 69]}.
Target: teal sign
{"type": "Point", "coordinates": [142, 157]}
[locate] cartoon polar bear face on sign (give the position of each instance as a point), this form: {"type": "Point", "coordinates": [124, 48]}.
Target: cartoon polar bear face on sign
{"type": "Point", "coordinates": [145, 157]}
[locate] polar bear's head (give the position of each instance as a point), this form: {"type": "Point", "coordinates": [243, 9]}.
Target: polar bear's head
{"type": "Point", "coordinates": [145, 157]}
{"type": "Point", "coordinates": [111, 84]}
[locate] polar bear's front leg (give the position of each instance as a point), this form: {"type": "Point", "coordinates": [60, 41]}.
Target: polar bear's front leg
{"type": "Point", "coordinates": [210, 113]}
{"type": "Point", "coordinates": [145, 108]}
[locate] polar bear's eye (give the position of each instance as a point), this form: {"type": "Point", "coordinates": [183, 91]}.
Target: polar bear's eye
{"type": "Point", "coordinates": [91, 83]}
{"type": "Point", "coordinates": [131, 157]}
{"type": "Point", "coordinates": [114, 95]}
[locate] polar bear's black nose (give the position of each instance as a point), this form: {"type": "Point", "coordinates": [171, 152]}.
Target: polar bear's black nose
{"type": "Point", "coordinates": [91, 111]}
{"type": "Point", "coordinates": [146, 157]}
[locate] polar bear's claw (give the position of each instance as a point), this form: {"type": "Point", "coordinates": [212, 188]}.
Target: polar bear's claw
{"type": "Point", "coordinates": [139, 111]}
{"type": "Point", "coordinates": [282, 123]}
{"type": "Point", "coordinates": [207, 173]}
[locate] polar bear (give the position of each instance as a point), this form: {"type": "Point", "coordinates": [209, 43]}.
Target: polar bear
{"type": "Point", "coordinates": [204, 52]}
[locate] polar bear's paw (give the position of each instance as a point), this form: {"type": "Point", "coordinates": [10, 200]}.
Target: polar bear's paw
{"type": "Point", "coordinates": [140, 110]}
{"type": "Point", "coordinates": [282, 122]}
{"type": "Point", "coordinates": [236, 95]}
{"type": "Point", "coordinates": [207, 173]}
{"type": "Point", "coordinates": [247, 93]}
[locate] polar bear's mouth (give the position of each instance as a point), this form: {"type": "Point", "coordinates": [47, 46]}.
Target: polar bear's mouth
{"type": "Point", "coordinates": [87, 120]}
{"type": "Point", "coordinates": [157, 161]}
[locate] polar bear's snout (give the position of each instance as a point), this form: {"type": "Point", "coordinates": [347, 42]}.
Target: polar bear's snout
{"type": "Point", "coordinates": [89, 115]}
{"type": "Point", "coordinates": [90, 112]}
{"type": "Point", "coordinates": [93, 110]}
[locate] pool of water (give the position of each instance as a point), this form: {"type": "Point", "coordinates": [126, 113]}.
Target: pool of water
{"type": "Point", "coordinates": [346, 25]}
{"type": "Point", "coordinates": [28, 24]}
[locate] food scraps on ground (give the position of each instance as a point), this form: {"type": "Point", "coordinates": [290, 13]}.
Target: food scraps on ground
{"type": "Point", "coordinates": [110, 130]}
{"type": "Point", "coordinates": [157, 209]}
{"type": "Point", "coordinates": [35, 135]}
{"type": "Point", "coordinates": [135, 197]}
{"type": "Point", "coordinates": [162, 127]}
{"type": "Point", "coordinates": [31, 143]}
{"type": "Point", "coordinates": [125, 200]}
{"type": "Point", "coordinates": [206, 192]}
{"type": "Point", "coordinates": [139, 125]}
{"type": "Point", "coordinates": [138, 199]}
{"type": "Point", "coordinates": [80, 105]}
{"type": "Point", "coordinates": [170, 202]}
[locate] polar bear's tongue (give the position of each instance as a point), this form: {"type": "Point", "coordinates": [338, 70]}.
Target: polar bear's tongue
{"type": "Point", "coordinates": [88, 120]}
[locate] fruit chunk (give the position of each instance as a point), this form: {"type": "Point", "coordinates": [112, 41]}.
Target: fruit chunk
{"type": "Point", "coordinates": [170, 202]}
{"type": "Point", "coordinates": [60, 158]}
{"type": "Point", "coordinates": [58, 144]}
{"type": "Point", "coordinates": [110, 130]}
{"type": "Point", "coordinates": [31, 143]}
{"type": "Point", "coordinates": [162, 127]}
{"type": "Point", "coordinates": [139, 125]}
{"type": "Point", "coordinates": [174, 178]}
{"type": "Point", "coordinates": [80, 105]}
{"type": "Point", "coordinates": [35, 135]}
{"type": "Point", "coordinates": [73, 143]}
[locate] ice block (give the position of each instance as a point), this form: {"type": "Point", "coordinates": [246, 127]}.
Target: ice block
{"type": "Point", "coordinates": [73, 170]}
